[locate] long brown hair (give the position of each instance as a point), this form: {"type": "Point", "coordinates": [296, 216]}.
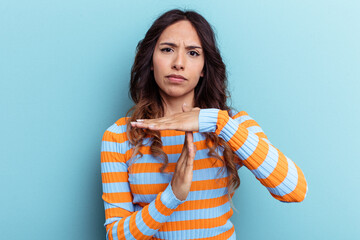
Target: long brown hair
{"type": "Point", "coordinates": [210, 92]}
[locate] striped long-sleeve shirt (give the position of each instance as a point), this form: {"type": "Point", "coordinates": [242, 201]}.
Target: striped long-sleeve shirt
{"type": "Point", "coordinates": [138, 198]}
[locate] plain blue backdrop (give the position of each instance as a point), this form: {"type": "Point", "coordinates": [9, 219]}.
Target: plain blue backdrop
{"type": "Point", "coordinates": [294, 66]}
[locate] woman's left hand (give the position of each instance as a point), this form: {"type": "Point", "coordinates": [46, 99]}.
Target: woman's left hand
{"type": "Point", "coordinates": [187, 121]}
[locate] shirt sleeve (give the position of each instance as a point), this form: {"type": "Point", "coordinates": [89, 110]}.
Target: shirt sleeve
{"type": "Point", "coordinates": [122, 222]}
{"type": "Point", "coordinates": [279, 174]}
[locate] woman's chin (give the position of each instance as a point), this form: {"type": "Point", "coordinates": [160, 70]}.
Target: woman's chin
{"type": "Point", "coordinates": [177, 93]}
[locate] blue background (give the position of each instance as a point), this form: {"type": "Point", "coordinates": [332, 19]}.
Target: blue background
{"type": "Point", "coordinates": [294, 66]}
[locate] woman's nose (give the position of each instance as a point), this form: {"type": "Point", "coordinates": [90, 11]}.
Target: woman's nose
{"type": "Point", "coordinates": [179, 63]}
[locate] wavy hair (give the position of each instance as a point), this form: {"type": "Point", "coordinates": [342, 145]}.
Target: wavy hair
{"type": "Point", "coordinates": [210, 92]}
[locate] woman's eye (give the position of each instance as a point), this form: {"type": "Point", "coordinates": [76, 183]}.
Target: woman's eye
{"type": "Point", "coordinates": [193, 53]}
{"type": "Point", "coordinates": [166, 49]}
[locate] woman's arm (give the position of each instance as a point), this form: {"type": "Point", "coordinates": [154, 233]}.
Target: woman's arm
{"type": "Point", "coordinates": [122, 222]}
{"type": "Point", "coordinates": [278, 173]}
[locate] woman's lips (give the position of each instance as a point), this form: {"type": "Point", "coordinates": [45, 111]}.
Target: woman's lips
{"type": "Point", "coordinates": [176, 80]}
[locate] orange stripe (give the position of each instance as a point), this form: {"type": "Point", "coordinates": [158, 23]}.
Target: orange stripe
{"type": "Point", "coordinates": [239, 138]}
{"type": "Point", "coordinates": [240, 114]}
{"type": "Point", "coordinates": [148, 188]}
{"type": "Point", "coordinates": [195, 186]}
{"type": "Point", "coordinates": [298, 194]}
{"type": "Point", "coordinates": [172, 149]}
{"type": "Point", "coordinates": [112, 177]}
{"type": "Point", "coordinates": [109, 229]}
{"type": "Point", "coordinates": [250, 123]}
{"type": "Point", "coordinates": [164, 210]}
{"type": "Point", "coordinates": [148, 220]}
{"type": "Point", "coordinates": [198, 204]}
{"type": "Point", "coordinates": [114, 137]}
{"type": "Point", "coordinates": [222, 119]}
{"type": "Point", "coordinates": [224, 235]}
{"type": "Point", "coordinates": [171, 133]}
{"type": "Point", "coordinates": [134, 230]}
{"type": "Point", "coordinates": [261, 135]}
{"type": "Point", "coordinates": [116, 212]}
{"type": "Point", "coordinates": [120, 229]}
{"type": "Point", "coordinates": [196, 223]}
{"type": "Point", "coordinates": [119, 197]}
{"type": "Point", "coordinates": [202, 204]}
{"type": "Point", "coordinates": [278, 175]}
{"type": "Point", "coordinates": [209, 184]}
{"type": "Point", "coordinates": [112, 157]}
{"type": "Point", "coordinates": [122, 121]}
{"type": "Point", "coordinates": [116, 157]}
{"type": "Point", "coordinates": [154, 167]}
{"type": "Point", "coordinates": [258, 156]}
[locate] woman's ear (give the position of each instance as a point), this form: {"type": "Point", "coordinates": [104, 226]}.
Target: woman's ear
{"type": "Point", "coordinates": [202, 73]}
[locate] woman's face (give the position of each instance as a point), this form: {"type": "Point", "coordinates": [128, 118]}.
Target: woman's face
{"type": "Point", "coordinates": [178, 51]}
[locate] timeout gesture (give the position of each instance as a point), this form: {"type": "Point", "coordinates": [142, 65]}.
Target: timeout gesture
{"type": "Point", "coordinates": [187, 121]}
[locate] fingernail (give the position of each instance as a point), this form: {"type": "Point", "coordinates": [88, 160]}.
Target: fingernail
{"type": "Point", "coordinates": [139, 120]}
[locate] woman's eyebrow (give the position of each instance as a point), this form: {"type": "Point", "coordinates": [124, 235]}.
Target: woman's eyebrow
{"type": "Point", "coordinates": [174, 45]}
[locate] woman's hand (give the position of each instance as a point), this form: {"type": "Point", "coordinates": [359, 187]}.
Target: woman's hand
{"type": "Point", "coordinates": [188, 121]}
{"type": "Point", "coordinates": [183, 174]}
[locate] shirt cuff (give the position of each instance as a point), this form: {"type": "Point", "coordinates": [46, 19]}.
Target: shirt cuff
{"type": "Point", "coordinates": [169, 199]}
{"type": "Point", "coordinates": [208, 118]}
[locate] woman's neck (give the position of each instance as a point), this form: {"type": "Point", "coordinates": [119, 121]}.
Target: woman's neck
{"type": "Point", "coordinates": [174, 105]}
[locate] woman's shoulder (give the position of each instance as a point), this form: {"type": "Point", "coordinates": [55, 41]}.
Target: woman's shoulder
{"type": "Point", "coordinates": [117, 131]}
{"type": "Point", "coordinates": [234, 113]}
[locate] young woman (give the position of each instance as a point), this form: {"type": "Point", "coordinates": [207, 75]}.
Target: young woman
{"type": "Point", "coordinates": [169, 170]}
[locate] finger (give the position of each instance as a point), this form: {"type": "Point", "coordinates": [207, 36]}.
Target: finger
{"type": "Point", "coordinates": [153, 126]}
{"type": "Point", "coordinates": [191, 153]}
{"type": "Point", "coordinates": [189, 138]}
{"type": "Point", "coordinates": [155, 120]}
{"type": "Point", "coordinates": [181, 163]}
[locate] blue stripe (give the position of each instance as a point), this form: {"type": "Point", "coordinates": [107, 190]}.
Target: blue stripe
{"type": "Point", "coordinates": [206, 213]}
{"type": "Point", "coordinates": [127, 232]}
{"type": "Point", "coordinates": [193, 195]}
{"type": "Point", "coordinates": [242, 119]}
{"type": "Point", "coordinates": [179, 139]}
{"type": "Point", "coordinates": [156, 177]}
{"type": "Point", "coordinates": [189, 234]}
{"type": "Point", "coordinates": [116, 187]}
{"type": "Point", "coordinates": [173, 158]}
{"type": "Point", "coordinates": [115, 147]}
{"type": "Point", "coordinates": [268, 165]}
{"type": "Point", "coordinates": [206, 194]}
{"type": "Point", "coordinates": [129, 206]}
{"type": "Point", "coordinates": [255, 129]}
{"type": "Point", "coordinates": [141, 225]}
{"type": "Point", "coordinates": [208, 119]}
{"type": "Point", "coordinates": [114, 231]}
{"type": "Point", "coordinates": [117, 129]}
{"type": "Point", "coordinates": [248, 148]}
{"type": "Point", "coordinates": [149, 178]}
{"type": "Point", "coordinates": [155, 214]}
{"type": "Point", "coordinates": [113, 167]}
{"type": "Point", "coordinates": [111, 220]}
{"type": "Point", "coordinates": [289, 183]}
{"type": "Point", "coordinates": [233, 236]}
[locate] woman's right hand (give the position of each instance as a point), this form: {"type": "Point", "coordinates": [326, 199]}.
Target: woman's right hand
{"type": "Point", "coordinates": [183, 174]}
